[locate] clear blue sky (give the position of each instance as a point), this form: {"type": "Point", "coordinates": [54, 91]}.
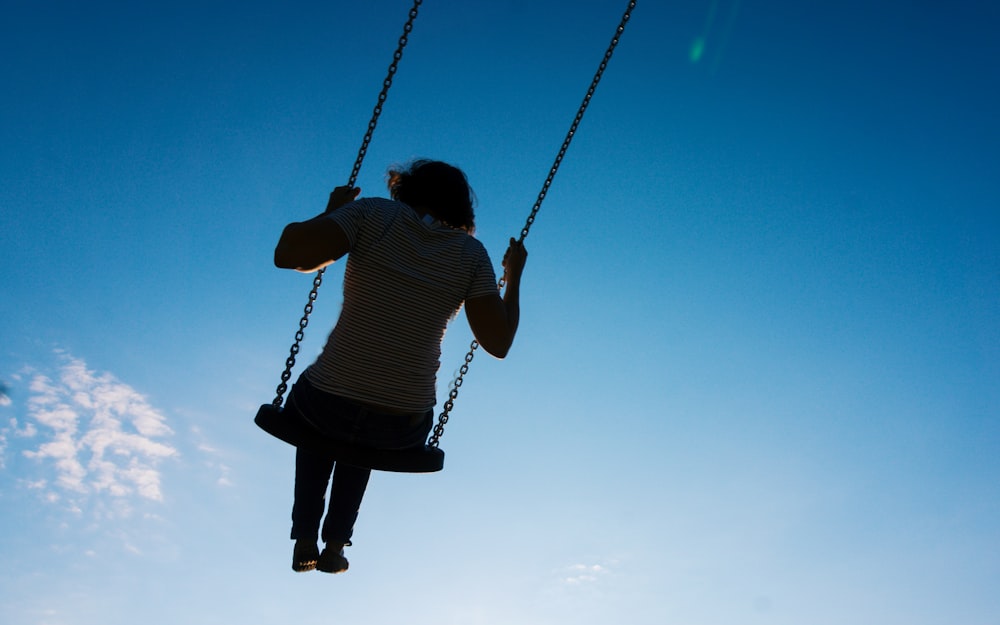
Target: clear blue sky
{"type": "Point", "coordinates": [758, 374]}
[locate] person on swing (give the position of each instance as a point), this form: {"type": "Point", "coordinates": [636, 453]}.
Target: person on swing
{"type": "Point", "coordinates": [412, 262]}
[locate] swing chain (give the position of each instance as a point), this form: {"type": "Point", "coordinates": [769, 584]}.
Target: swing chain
{"type": "Point", "coordinates": [576, 121]}
{"type": "Point", "coordinates": [386, 84]}
{"type": "Point", "coordinates": [456, 384]}
{"type": "Point", "coordinates": [286, 375]}
{"type": "Point", "coordinates": [464, 369]}
{"type": "Point", "coordinates": [299, 335]}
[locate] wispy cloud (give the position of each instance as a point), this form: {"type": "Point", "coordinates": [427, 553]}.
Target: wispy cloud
{"type": "Point", "coordinates": [583, 574]}
{"type": "Point", "coordinates": [213, 458]}
{"type": "Point", "coordinates": [584, 586]}
{"type": "Point", "coordinates": [100, 435]}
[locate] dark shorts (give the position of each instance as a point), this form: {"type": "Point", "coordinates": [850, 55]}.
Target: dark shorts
{"type": "Point", "coordinates": [355, 423]}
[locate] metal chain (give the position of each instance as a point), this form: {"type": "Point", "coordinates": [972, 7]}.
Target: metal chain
{"type": "Point", "coordinates": [456, 384]}
{"type": "Point", "coordinates": [397, 55]}
{"type": "Point", "coordinates": [318, 279]}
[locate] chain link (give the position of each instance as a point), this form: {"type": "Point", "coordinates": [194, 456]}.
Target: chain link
{"type": "Point", "coordinates": [456, 384]}
{"type": "Point", "coordinates": [318, 279]}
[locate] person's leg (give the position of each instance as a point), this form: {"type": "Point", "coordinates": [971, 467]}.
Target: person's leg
{"type": "Point", "coordinates": [349, 483]}
{"type": "Point", "coordinates": [312, 475]}
{"type": "Point", "coordinates": [346, 493]}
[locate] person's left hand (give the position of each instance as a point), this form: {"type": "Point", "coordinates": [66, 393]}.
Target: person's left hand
{"type": "Point", "coordinates": [340, 196]}
{"type": "Point", "coordinates": [513, 260]}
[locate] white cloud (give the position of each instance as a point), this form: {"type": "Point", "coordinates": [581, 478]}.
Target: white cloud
{"type": "Point", "coordinates": [214, 458]}
{"type": "Point", "coordinates": [224, 480]}
{"type": "Point", "coordinates": [100, 435]}
{"type": "Point", "coordinates": [583, 574]}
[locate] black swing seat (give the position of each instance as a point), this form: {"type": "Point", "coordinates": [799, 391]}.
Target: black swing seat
{"type": "Point", "coordinates": [291, 428]}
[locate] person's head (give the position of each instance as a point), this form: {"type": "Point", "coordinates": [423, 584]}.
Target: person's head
{"type": "Point", "coordinates": [436, 188]}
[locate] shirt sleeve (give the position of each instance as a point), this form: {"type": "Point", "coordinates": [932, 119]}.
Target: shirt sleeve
{"type": "Point", "coordinates": [351, 217]}
{"type": "Point", "coordinates": [484, 279]}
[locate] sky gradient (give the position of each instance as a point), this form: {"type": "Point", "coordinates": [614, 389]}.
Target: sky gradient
{"type": "Point", "coordinates": [757, 378]}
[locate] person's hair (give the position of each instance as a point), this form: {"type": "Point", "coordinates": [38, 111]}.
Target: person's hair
{"type": "Point", "coordinates": [438, 188]}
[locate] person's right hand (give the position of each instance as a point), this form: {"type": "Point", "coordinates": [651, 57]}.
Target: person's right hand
{"type": "Point", "coordinates": [340, 196]}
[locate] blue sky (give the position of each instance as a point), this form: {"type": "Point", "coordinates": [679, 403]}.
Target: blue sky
{"type": "Point", "coordinates": [758, 373]}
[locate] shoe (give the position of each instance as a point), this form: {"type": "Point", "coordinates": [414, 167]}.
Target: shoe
{"type": "Point", "coordinates": [332, 559]}
{"type": "Point", "coordinates": [305, 556]}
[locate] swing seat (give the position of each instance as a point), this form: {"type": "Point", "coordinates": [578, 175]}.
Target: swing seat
{"type": "Point", "coordinates": [289, 427]}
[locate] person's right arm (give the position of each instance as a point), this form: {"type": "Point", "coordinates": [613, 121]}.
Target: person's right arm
{"type": "Point", "coordinates": [494, 319]}
{"type": "Point", "coordinates": [307, 246]}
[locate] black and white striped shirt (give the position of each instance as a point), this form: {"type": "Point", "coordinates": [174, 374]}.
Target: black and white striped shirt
{"type": "Point", "coordinates": [406, 277]}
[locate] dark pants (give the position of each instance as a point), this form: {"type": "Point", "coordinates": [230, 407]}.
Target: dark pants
{"type": "Point", "coordinates": [354, 423]}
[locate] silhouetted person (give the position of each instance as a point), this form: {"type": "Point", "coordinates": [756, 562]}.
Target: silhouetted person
{"type": "Point", "coordinates": [411, 264]}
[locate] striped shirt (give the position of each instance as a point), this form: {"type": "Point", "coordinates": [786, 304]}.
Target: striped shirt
{"type": "Point", "coordinates": [406, 278]}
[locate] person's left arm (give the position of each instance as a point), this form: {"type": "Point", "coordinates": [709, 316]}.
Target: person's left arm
{"type": "Point", "coordinates": [307, 246]}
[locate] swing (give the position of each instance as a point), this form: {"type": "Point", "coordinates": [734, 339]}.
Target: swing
{"type": "Point", "coordinates": [289, 427]}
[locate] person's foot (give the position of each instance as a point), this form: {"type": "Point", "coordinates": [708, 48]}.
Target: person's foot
{"type": "Point", "coordinates": [305, 556]}
{"type": "Point", "coordinates": [332, 559]}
